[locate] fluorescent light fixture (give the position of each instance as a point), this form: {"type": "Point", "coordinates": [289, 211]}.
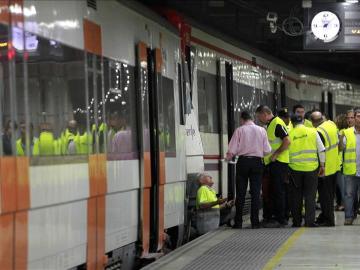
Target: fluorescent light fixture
{"type": "Point", "coordinates": [352, 1]}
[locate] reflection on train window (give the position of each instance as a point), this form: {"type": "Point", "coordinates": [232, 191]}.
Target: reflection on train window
{"type": "Point", "coordinates": [95, 103]}
{"type": "Point", "coordinates": [167, 129]}
{"type": "Point", "coordinates": [249, 98]}
{"type": "Point", "coordinates": [120, 110]}
{"type": "Point", "coordinates": [208, 103]}
{"type": "Point", "coordinates": [8, 127]}
{"type": "Point", "coordinates": [11, 93]}
{"type": "Point", "coordinates": [57, 103]}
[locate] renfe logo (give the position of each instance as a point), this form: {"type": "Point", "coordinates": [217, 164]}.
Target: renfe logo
{"type": "Point", "coordinates": [190, 132]}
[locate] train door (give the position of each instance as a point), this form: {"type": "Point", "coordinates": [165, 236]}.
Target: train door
{"type": "Point", "coordinates": [229, 94]}
{"type": "Point", "coordinates": [157, 149]}
{"type": "Point", "coordinates": [223, 139]}
{"type": "Point", "coordinates": [152, 146]}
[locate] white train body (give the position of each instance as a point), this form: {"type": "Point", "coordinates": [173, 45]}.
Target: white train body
{"type": "Point", "coordinates": [70, 211]}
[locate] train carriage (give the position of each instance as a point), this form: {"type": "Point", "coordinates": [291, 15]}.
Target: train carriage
{"type": "Point", "coordinates": [109, 110]}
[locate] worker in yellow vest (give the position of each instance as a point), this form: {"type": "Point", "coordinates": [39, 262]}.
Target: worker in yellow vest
{"type": "Point", "coordinates": [277, 165]}
{"type": "Point", "coordinates": [341, 124]}
{"type": "Point", "coordinates": [306, 151]}
{"type": "Point", "coordinates": [46, 140]}
{"type": "Point", "coordinates": [83, 141]}
{"type": "Point", "coordinates": [350, 143]}
{"type": "Point", "coordinates": [21, 142]}
{"type": "Point", "coordinates": [283, 113]}
{"type": "Point", "coordinates": [327, 184]}
{"type": "Point", "coordinates": [350, 123]}
{"type": "Point", "coordinates": [208, 205]}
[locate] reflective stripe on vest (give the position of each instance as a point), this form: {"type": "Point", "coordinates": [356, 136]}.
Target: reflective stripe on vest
{"type": "Point", "coordinates": [349, 162]}
{"type": "Point", "coordinates": [303, 149]}
{"type": "Point", "coordinates": [329, 131]}
{"type": "Point", "coordinates": [276, 142]}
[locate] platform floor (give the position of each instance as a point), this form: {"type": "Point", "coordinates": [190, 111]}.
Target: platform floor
{"type": "Point", "coordinates": [286, 248]}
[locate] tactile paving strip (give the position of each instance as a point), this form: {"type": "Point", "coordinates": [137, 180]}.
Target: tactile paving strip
{"type": "Point", "coordinates": [247, 249]}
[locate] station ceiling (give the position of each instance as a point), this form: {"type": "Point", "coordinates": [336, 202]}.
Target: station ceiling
{"type": "Point", "coordinates": [245, 21]}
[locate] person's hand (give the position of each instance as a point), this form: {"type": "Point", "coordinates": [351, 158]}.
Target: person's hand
{"type": "Point", "coordinates": [228, 157]}
{"type": "Point", "coordinates": [321, 171]}
{"type": "Point", "coordinates": [274, 156]}
{"type": "Point", "coordinates": [230, 203]}
{"type": "Point", "coordinates": [222, 200]}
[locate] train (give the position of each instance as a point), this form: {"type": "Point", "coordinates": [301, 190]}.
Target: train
{"type": "Point", "coordinates": [109, 111]}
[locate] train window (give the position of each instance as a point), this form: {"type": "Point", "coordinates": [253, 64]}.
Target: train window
{"type": "Point", "coordinates": [182, 95]}
{"type": "Point", "coordinates": [167, 129]}
{"type": "Point", "coordinates": [95, 104]}
{"type": "Point", "coordinates": [57, 103]}
{"type": "Point", "coordinates": [120, 110]}
{"type": "Point", "coordinates": [7, 121]}
{"type": "Point", "coordinates": [208, 102]}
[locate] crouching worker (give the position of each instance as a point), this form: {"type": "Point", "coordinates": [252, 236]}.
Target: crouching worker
{"type": "Point", "coordinates": [208, 205]}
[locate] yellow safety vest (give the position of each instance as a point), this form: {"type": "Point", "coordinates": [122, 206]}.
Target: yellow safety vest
{"type": "Point", "coordinates": [83, 143]}
{"type": "Point", "coordinates": [46, 144]}
{"type": "Point", "coordinates": [349, 162]}
{"type": "Point", "coordinates": [275, 142]}
{"type": "Point", "coordinates": [308, 123]}
{"type": "Point", "coordinates": [303, 149]}
{"type": "Point", "coordinates": [329, 131]}
{"type": "Point", "coordinates": [57, 146]}
{"type": "Point", "coordinates": [20, 150]}
{"type": "Point", "coordinates": [206, 194]}
{"type": "Point", "coordinates": [66, 137]}
{"type": "Point", "coordinates": [289, 126]}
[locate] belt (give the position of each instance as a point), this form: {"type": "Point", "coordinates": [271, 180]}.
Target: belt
{"type": "Point", "coordinates": [254, 157]}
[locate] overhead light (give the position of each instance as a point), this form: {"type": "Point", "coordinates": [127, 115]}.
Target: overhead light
{"type": "Point", "coordinates": [352, 1]}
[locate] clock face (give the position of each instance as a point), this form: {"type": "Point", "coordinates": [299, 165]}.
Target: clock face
{"type": "Point", "coordinates": [325, 26]}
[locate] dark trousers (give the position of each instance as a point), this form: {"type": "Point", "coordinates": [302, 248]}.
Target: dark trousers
{"type": "Point", "coordinates": [338, 195]}
{"type": "Point", "coordinates": [303, 185]}
{"type": "Point", "coordinates": [278, 173]}
{"type": "Point", "coordinates": [248, 169]}
{"type": "Point", "coordinates": [356, 204]}
{"type": "Point", "coordinates": [326, 188]}
{"type": "Point", "coordinates": [267, 190]}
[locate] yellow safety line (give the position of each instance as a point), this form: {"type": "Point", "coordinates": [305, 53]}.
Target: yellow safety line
{"type": "Point", "coordinates": [283, 249]}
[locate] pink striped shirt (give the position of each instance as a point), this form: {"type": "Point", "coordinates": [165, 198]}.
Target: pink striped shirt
{"type": "Point", "coordinates": [249, 140]}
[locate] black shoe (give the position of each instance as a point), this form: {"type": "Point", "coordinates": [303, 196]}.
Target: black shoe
{"type": "Point", "coordinates": [272, 224]}
{"type": "Point", "coordinates": [295, 225]}
{"type": "Point", "coordinates": [312, 225]}
{"type": "Point", "coordinates": [319, 220]}
{"type": "Point", "coordinates": [237, 226]}
{"type": "Point", "coordinates": [255, 226]}
{"type": "Point", "coordinates": [325, 224]}
{"type": "Point", "coordinates": [284, 222]}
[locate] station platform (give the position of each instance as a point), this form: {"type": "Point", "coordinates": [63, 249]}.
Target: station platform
{"type": "Point", "coordinates": [282, 248]}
